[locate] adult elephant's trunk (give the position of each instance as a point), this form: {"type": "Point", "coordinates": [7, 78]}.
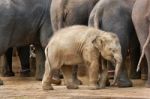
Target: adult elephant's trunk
{"type": "Point", "coordinates": [118, 62]}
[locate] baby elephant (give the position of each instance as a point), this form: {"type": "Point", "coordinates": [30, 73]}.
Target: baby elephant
{"type": "Point", "coordinates": [80, 45]}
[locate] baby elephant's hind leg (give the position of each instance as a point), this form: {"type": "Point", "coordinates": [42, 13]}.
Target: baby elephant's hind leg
{"type": "Point", "coordinates": [47, 78]}
{"type": "Point", "coordinates": [67, 73]}
{"type": "Point", "coordinates": [93, 76]}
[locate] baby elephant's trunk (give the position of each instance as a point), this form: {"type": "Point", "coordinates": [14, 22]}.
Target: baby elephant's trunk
{"type": "Point", "coordinates": [118, 62]}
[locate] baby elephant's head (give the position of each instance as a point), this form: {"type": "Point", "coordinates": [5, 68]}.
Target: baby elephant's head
{"type": "Point", "coordinates": [109, 46]}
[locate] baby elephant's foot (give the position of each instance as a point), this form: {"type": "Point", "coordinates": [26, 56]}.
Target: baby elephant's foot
{"type": "Point", "coordinates": [72, 86]}
{"type": "Point", "coordinates": [47, 86]}
{"type": "Point", "coordinates": [57, 82]}
{"type": "Point", "coordinates": [77, 82]}
{"type": "Point", "coordinates": [93, 86]}
{"type": "Point", "coordinates": [102, 86]}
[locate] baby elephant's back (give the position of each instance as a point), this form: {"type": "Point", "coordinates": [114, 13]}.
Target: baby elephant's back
{"type": "Point", "coordinates": [71, 34]}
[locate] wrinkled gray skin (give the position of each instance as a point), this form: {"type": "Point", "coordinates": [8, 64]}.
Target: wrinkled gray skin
{"type": "Point", "coordinates": [141, 20]}
{"type": "Point", "coordinates": [115, 16]}
{"type": "Point", "coordinates": [23, 22]}
{"type": "Point", "coordinates": [80, 45]}
{"type": "Point", "coordinates": [71, 12]}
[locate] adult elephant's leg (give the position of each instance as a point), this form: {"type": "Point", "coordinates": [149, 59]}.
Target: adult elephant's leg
{"type": "Point", "coordinates": [134, 55]}
{"type": "Point", "coordinates": [40, 62]}
{"type": "Point", "coordinates": [147, 54]}
{"type": "Point", "coordinates": [75, 75]}
{"type": "Point", "coordinates": [124, 80]}
{"type": "Point", "coordinates": [32, 60]}
{"type": "Point", "coordinates": [144, 69]}
{"type": "Point", "coordinates": [7, 63]}
{"type": "Point", "coordinates": [1, 82]}
{"type": "Point", "coordinates": [23, 53]}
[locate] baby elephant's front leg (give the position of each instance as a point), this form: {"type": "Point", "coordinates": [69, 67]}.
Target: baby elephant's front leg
{"type": "Point", "coordinates": [93, 75]}
{"type": "Point", "coordinates": [91, 58]}
{"type": "Point", "coordinates": [104, 74]}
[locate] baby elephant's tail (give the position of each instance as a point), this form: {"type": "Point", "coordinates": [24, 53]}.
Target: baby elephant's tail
{"type": "Point", "coordinates": [46, 55]}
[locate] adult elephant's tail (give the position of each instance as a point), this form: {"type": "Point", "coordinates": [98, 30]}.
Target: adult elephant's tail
{"type": "Point", "coordinates": [96, 14]}
{"type": "Point", "coordinates": [57, 14]}
{"type": "Point", "coordinates": [143, 50]}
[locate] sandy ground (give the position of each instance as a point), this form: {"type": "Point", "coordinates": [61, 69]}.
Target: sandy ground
{"type": "Point", "coordinates": [28, 88]}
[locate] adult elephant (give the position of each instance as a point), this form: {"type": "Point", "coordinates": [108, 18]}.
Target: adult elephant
{"type": "Point", "coordinates": [115, 16]}
{"type": "Point", "coordinates": [23, 53]}
{"type": "Point", "coordinates": [141, 20]}
{"type": "Point", "coordinates": [24, 22]}
{"type": "Point", "coordinates": [71, 12]}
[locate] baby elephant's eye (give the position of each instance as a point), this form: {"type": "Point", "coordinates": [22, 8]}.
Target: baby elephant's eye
{"type": "Point", "coordinates": [114, 50]}
{"type": "Point", "coordinates": [110, 49]}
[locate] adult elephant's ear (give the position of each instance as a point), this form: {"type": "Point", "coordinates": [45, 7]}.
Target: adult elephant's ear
{"type": "Point", "coordinates": [99, 42]}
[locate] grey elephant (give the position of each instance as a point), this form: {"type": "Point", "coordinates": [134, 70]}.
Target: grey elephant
{"type": "Point", "coordinates": [141, 20]}
{"type": "Point", "coordinates": [115, 16]}
{"type": "Point", "coordinates": [24, 22]}
{"type": "Point", "coordinates": [81, 45]}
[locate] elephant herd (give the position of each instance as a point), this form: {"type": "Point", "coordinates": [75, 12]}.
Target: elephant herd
{"type": "Point", "coordinates": [123, 25]}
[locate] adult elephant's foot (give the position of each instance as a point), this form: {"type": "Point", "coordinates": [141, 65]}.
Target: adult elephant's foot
{"type": "Point", "coordinates": [107, 82]}
{"type": "Point", "coordinates": [39, 74]}
{"type": "Point", "coordinates": [136, 75]}
{"type": "Point", "coordinates": [25, 73]}
{"type": "Point", "coordinates": [124, 81]}
{"type": "Point", "coordinates": [144, 76]}
{"type": "Point", "coordinates": [38, 78]}
{"type": "Point", "coordinates": [147, 84]}
{"type": "Point", "coordinates": [1, 82]}
{"type": "Point", "coordinates": [8, 74]}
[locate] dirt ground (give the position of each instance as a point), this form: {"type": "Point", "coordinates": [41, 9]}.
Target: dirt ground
{"type": "Point", "coordinates": [28, 88]}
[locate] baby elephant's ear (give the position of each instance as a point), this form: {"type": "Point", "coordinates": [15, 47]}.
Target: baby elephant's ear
{"type": "Point", "coordinates": [98, 42]}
